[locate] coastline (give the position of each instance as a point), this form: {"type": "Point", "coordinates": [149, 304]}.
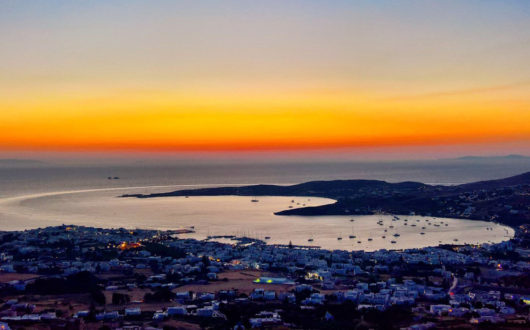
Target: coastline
{"type": "Point", "coordinates": [232, 240]}
{"type": "Point", "coordinates": [492, 200]}
{"type": "Point", "coordinates": [238, 216]}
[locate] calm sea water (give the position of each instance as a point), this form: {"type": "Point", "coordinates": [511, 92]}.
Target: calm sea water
{"type": "Point", "coordinates": [43, 196]}
{"type": "Point", "coordinates": [17, 181]}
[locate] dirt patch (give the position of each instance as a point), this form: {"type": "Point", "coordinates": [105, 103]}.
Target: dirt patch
{"type": "Point", "coordinates": [237, 280]}
{"type": "Point", "coordinates": [134, 294]}
{"type": "Point", "coordinates": [8, 277]}
{"type": "Point", "coordinates": [68, 303]}
{"type": "Point", "coordinates": [241, 275]}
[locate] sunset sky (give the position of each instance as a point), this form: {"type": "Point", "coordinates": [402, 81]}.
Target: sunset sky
{"type": "Point", "coordinates": [272, 75]}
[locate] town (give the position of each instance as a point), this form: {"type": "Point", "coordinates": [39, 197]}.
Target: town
{"type": "Point", "coordinates": [74, 277]}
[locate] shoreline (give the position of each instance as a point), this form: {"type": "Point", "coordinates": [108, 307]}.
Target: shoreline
{"type": "Point", "coordinates": [241, 240]}
{"type": "Point", "coordinates": [237, 240]}
{"type": "Point", "coordinates": [492, 200]}
{"type": "Point", "coordinates": [253, 220]}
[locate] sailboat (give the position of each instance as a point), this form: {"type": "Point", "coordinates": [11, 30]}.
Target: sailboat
{"type": "Point", "coordinates": [352, 236]}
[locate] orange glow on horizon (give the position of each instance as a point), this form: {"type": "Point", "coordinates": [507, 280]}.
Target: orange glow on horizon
{"type": "Point", "coordinates": [266, 120]}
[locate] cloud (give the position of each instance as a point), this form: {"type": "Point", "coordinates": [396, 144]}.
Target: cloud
{"type": "Point", "coordinates": [465, 91]}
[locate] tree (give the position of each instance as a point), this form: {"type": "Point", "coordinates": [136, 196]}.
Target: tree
{"type": "Point", "coordinates": [98, 297]}
{"type": "Point", "coordinates": [161, 295]}
{"type": "Point", "coordinates": [205, 262]}
{"type": "Point", "coordinates": [120, 298]}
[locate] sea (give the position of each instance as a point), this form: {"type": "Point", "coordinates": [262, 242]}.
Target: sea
{"type": "Point", "coordinates": [40, 195]}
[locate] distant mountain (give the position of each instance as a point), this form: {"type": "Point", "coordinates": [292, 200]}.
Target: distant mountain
{"type": "Point", "coordinates": [505, 200]}
{"type": "Point", "coordinates": [20, 162]}
{"type": "Point", "coordinates": [521, 179]}
{"type": "Point", "coordinates": [506, 157]}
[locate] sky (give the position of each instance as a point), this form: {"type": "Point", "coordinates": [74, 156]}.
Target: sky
{"type": "Point", "coordinates": [287, 76]}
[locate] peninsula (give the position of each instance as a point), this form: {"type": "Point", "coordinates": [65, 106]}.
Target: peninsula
{"type": "Point", "coordinates": [505, 201]}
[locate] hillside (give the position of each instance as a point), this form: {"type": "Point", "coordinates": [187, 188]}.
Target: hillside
{"type": "Point", "coordinates": [504, 200]}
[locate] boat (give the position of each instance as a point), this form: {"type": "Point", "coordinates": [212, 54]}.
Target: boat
{"type": "Point", "coordinates": [396, 235]}
{"type": "Point", "coordinates": [352, 236]}
{"type": "Point", "coordinates": [339, 238]}
{"type": "Point", "coordinates": [393, 242]}
{"type": "Point", "coordinates": [370, 239]}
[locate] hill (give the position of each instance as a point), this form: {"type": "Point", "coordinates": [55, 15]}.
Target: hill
{"type": "Point", "coordinates": [513, 157]}
{"type": "Point", "coordinates": [504, 200]}
{"type": "Point", "coordinates": [13, 162]}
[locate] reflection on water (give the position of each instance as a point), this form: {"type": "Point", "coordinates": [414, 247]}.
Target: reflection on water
{"type": "Point", "coordinates": [240, 216]}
